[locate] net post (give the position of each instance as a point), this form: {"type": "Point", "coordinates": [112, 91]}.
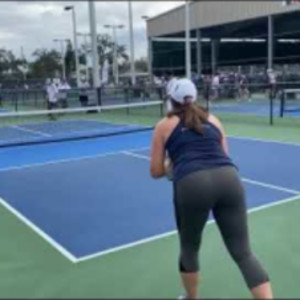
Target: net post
{"type": "Point", "coordinates": [162, 109]}
{"type": "Point", "coordinates": [271, 108]}
{"type": "Point", "coordinates": [282, 103]}
{"type": "Point", "coordinates": [127, 99]}
{"type": "Point", "coordinates": [15, 100]}
{"type": "Point", "coordinates": [35, 98]}
{"type": "Point", "coordinates": [99, 95]}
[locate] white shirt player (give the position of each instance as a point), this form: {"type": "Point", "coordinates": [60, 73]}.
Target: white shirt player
{"type": "Point", "coordinates": [216, 81]}
{"type": "Point", "coordinates": [52, 92]}
{"type": "Point", "coordinates": [63, 88]}
{"type": "Point", "coordinates": [272, 77]}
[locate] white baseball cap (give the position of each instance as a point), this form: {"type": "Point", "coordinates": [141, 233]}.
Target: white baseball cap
{"type": "Point", "coordinates": [183, 88]}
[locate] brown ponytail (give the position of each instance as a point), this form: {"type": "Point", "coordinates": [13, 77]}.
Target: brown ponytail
{"type": "Point", "coordinates": [192, 114]}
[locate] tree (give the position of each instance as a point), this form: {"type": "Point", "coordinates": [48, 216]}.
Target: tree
{"type": "Point", "coordinates": [47, 63]}
{"type": "Point", "coordinates": [106, 47]}
{"type": "Point", "coordinates": [9, 65]}
{"type": "Point", "coordinates": [141, 65]}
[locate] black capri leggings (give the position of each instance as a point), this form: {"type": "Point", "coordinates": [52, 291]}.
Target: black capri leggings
{"type": "Point", "coordinates": [218, 190]}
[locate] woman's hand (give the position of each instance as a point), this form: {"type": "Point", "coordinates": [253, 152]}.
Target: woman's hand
{"type": "Point", "coordinates": [168, 168]}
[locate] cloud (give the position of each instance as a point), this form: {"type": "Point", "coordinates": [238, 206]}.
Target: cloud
{"type": "Point", "coordinates": [34, 24]}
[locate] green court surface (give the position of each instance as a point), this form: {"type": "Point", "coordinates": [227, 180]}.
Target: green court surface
{"type": "Point", "coordinates": [31, 268]}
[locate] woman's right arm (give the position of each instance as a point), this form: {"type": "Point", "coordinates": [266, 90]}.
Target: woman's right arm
{"type": "Point", "coordinates": [214, 120]}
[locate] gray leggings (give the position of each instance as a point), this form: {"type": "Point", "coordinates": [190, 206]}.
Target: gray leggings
{"type": "Point", "coordinates": [218, 190]}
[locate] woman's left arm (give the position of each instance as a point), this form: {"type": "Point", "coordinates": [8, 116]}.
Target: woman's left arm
{"type": "Point", "coordinates": [158, 154]}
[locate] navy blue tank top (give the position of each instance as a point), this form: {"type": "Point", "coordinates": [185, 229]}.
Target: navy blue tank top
{"type": "Point", "coordinates": [191, 151]}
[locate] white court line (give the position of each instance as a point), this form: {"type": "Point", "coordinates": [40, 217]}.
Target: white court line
{"type": "Point", "coordinates": [255, 182]}
{"type": "Point", "coordinates": [59, 161]}
{"type": "Point", "coordinates": [40, 232]}
{"type": "Point", "coordinates": [51, 162]}
{"type": "Point", "coordinates": [130, 153]}
{"type": "Point", "coordinates": [263, 140]}
{"type": "Point", "coordinates": [271, 186]}
{"type": "Point", "coordinates": [173, 232]}
{"type": "Point", "coordinates": [31, 131]}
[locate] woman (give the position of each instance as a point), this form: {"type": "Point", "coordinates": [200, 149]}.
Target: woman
{"type": "Point", "coordinates": [205, 179]}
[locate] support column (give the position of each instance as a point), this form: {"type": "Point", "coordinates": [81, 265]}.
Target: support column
{"type": "Point", "coordinates": [150, 60]}
{"type": "Point", "coordinates": [270, 42]}
{"type": "Point", "coordinates": [199, 52]}
{"type": "Point", "coordinates": [270, 62]}
{"type": "Point", "coordinates": [214, 54]}
{"type": "Point", "coordinates": [188, 71]}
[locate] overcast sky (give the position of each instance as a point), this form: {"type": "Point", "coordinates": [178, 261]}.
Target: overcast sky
{"type": "Point", "coordinates": [34, 24]}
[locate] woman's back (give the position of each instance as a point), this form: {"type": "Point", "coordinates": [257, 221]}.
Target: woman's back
{"type": "Point", "coordinates": [191, 151]}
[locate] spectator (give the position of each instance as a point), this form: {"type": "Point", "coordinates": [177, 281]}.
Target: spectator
{"type": "Point", "coordinates": [216, 86]}
{"type": "Point", "coordinates": [83, 93]}
{"type": "Point", "coordinates": [63, 93]}
{"type": "Point", "coordinates": [52, 97]}
{"type": "Point", "coordinates": [1, 104]}
{"type": "Point", "coordinates": [272, 81]}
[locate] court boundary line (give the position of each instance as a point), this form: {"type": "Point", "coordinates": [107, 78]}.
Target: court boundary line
{"type": "Point", "coordinates": [251, 181]}
{"type": "Point", "coordinates": [271, 186]}
{"type": "Point", "coordinates": [30, 131]}
{"type": "Point", "coordinates": [67, 160]}
{"type": "Point", "coordinates": [173, 232]}
{"type": "Point", "coordinates": [254, 139]}
{"type": "Point", "coordinates": [42, 234]}
{"type": "Point", "coordinates": [58, 161]}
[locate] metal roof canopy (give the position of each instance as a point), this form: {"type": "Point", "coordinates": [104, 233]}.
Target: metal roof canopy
{"type": "Point", "coordinates": [209, 14]}
{"type": "Point", "coordinates": [286, 26]}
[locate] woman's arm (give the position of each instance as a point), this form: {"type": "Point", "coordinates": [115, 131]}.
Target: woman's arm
{"type": "Point", "coordinates": [157, 166]}
{"type": "Point", "coordinates": [218, 124]}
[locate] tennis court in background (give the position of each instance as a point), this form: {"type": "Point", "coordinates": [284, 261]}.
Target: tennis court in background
{"type": "Point", "coordinates": [90, 207]}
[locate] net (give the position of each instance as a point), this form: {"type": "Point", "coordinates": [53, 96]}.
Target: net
{"type": "Point", "coordinates": [43, 126]}
{"type": "Point", "coordinates": [290, 101]}
{"type": "Point", "coordinates": [238, 102]}
{"type": "Point", "coordinates": [36, 99]}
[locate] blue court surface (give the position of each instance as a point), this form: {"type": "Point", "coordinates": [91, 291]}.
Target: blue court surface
{"type": "Point", "coordinates": [60, 130]}
{"type": "Point", "coordinates": [257, 107]}
{"type": "Point", "coordinates": [91, 197]}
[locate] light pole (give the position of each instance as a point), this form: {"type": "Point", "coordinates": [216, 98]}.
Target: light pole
{"type": "Point", "coordinates": [72, 8]}
{"type": "Point", "coordinates": [149, 54]}
{"type": "Point", "coordinates": [61, 42]}
{"type": "Point", "coordinates": [115, 54]}
{"type": "Point", "coordinates": [132, 67]}
{"type": "Point", "coordinates": [86, 49]}
{"type": "Point", "coordinates": [95, 56]}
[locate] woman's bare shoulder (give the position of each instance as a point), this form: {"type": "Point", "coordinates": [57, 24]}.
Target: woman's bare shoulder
{"type": "Point", "coordinates": [214, 120]}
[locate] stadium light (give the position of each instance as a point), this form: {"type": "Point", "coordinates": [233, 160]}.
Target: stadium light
{"type": "Point", "coordinates": [115, 54]}
{"type": "Point", "coordinates": [72, 8]}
